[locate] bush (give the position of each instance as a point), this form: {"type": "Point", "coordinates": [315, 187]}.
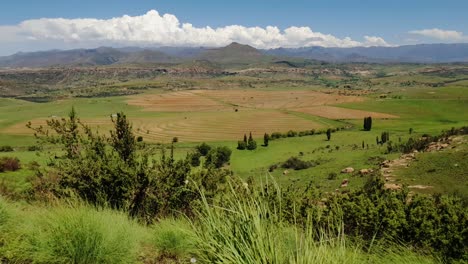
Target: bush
{"type": "Point", "coordinates": [217, 157]}
{"type": "Point", "coordinates": [6, 149]}
{"type": "Point", "coordinates": [81, 235]}
{"type": "Point", "coordinates": [139, 139]}
{"type": "Point", "coordinates": [203, 148]}
{"type": "Point", "coordinates": [251, 145]}
{"type": "Point", "coordinates": [297, 164]}
{"type": "Point", "coordinates": [291, 133]}
{"type": "Point", "coordinates": [276, 135]}
{"type": "Point", "coordinates": [332, 176]}
{"type": "Point", "coordinates": [241, 145]}
{"type": "Point", "coordinates": [34, 148]}
{"type": "Point", "coordinates": [9, 164]}
{"type": "Point", "coordinates": [194, 159]}
{"type": "Point", "coordinates": [173, 239]}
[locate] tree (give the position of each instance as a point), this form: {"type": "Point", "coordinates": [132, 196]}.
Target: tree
{"type": "Point", "coordinates": [384, 137]}
{"type": "Point", "coordinates": [122, 138]}
{"type": "Point", "coordinates": [251, 143]}
{"type": "Point", "coordinates": [245, 138]}
{"type": "Point", "coordinates": [241, 145]}
{"type": "Point", "coordinates": [328, 134]}
{"type": "Point", "coordinates": [367, 123]}
{"type": "Point", "coordinates": [66, 131]}
{"type": "Point", "coordinates": [266, 138]}
{"type": "Point", "coordinates": [203, 148]}
{"type": "Point", "coordinates": [217, 157]}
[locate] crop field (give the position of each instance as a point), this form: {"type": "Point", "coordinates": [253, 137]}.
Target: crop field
{"type": "Point", "coordinates": [200, 115]}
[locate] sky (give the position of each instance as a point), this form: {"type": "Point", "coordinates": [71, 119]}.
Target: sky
{"type": "Point", "coordinates": [31, 25]}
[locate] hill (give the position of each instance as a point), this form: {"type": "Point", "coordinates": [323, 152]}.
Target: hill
{"type": "Point", "coordinates": [424, 53]}
{"type": "Point", "coordinates": [234, 53]}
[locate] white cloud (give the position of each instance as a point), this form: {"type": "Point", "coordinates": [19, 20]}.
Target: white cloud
{"type": "Point", "coordinates": [165, 30]}
{"type": "Point", "coordinates": [449, 35]}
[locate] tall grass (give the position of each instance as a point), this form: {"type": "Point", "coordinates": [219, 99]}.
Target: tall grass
{"type": "Point", "coordinates": [73, 234]}
{"type": "Point", "coordinates": [173, 239]}
{"type": "Point", "coordinates": [249, 229]}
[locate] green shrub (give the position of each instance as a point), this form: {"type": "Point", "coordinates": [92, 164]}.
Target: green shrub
{"type": "Point", "coordinates": [76, 235]}
{"type": "Point", "coordinates": [203, 148]}
{"type": "Point", "coordinates": [6, 149]}
{"type": "Point", "coordinates": [291, 133]}
{"type": "Point", "coordinates": [194, 159]}
{"type": "Point", "coordinates": [241, 145]}
{"type": "Point", "coordinates": [34, 148]}
{"type": "Point", "coordinates": [297, 164]}
{"type": "Point", "coordinates": [173, 239]}
{"type": "Point", "coordinates": [217, 157]}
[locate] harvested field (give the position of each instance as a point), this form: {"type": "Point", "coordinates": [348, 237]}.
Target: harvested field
{"type": "Point", "coordinates": [177, 102]}
{"type": "Point", "coordinates": [225, 100]}
{"type": "Point", "coordinates": [202, 126]}
{"type": "Point", "coordinates": [332, 112]}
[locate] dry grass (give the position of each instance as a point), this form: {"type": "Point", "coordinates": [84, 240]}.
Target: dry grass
{"type": "Point", "coordinates": [198, 126]}
{"type": "Point", "coordinates": [332, 112]}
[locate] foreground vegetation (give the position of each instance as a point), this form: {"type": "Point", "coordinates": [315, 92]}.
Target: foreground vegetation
{"type": "Point", "coordinates": [218, 218]}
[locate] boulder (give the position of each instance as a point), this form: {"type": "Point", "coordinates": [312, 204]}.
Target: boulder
{"type": "Point", "coordinates": [286, 172]}
{"type": "Point", "coordinates": [347, 170]}
{"type": "Point", "coordinates": [365, 171]}
{"type": "Point", "coordinates": [344, 183]}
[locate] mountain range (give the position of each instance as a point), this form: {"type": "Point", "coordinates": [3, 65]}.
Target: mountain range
{"type": "Point", "coordinates": [236, 53]}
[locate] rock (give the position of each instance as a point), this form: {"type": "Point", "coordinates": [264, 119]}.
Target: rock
{"type": "Point", "coordinates": [286, 172]}
{"type": "Point", "coordinates": [344, 183]}
{"type": "Point", "coordinates": [392, 186]}
{"type": "Point", "coordinates": [347, 170]}
{"type": "Point", "coordinates": [365, 171]}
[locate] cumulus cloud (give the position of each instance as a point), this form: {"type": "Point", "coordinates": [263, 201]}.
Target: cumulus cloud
{"type": "Point", "coordinates": [166, 30]}
{"type": "Point", "coordinates": [450, 35]}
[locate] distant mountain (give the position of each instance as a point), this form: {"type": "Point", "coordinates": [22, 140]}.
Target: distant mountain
{"type": "Point", "coordinates": [236, 54]}
{"type": "Point", "coordinates": [84, 57]}
{"type": "Point", "coordinates": [424, 53]}
{"type": "Point", "coordinates": [233, 53]}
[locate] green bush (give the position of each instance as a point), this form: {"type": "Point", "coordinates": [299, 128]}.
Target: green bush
{"type": "Point", "coordinates": [217, 157]}
{"type": "Point", "coordinates": [203, 148]}
{"type": "Point", "coordinates": [6, 149]}
{"type": "Point", "coordinates": [194, 159]}
{"type": "Point", "coordinates": [76, 235]}
{"type": "Point", "coordinates": [297, 164]}
{"type": "Point", "coordinates": [173, 239]}
{"type": "Point", "coordinates": [241, 145]}
{"type": "Point", "coordinates": [34, 148]}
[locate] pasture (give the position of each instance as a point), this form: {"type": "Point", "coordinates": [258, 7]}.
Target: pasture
{"type": "Point", "coordinates": [222, 117]}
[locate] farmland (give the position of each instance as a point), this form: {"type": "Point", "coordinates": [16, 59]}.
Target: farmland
{"type": "Point", "coordinates": [178, 113]}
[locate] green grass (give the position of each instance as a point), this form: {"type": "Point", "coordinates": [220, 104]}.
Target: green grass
{"type": "Point", "coordinates": [70, 234]}
{"type": "Point", "coordinates": [446, 171]}
{"type": "Point", "coordinates": [332, 160]}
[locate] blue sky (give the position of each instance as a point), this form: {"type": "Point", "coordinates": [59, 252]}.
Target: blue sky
{"type": "Point", "coordinates": [396, 22]}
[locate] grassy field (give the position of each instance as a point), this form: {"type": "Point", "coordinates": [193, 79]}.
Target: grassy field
{"type": "Point", "coordinates": [223, 117]}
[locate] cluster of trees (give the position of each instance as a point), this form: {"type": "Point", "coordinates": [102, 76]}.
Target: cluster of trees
{"type": "Point", "coordinates": [367, 123]}
{"type": "Point", "coordinates": [214, 157]}
{"type": "Point", "coordinates": [249, 144]}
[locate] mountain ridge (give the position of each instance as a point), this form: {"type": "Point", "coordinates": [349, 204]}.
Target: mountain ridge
{"type": "Point", "coordinates": [236, 53]}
